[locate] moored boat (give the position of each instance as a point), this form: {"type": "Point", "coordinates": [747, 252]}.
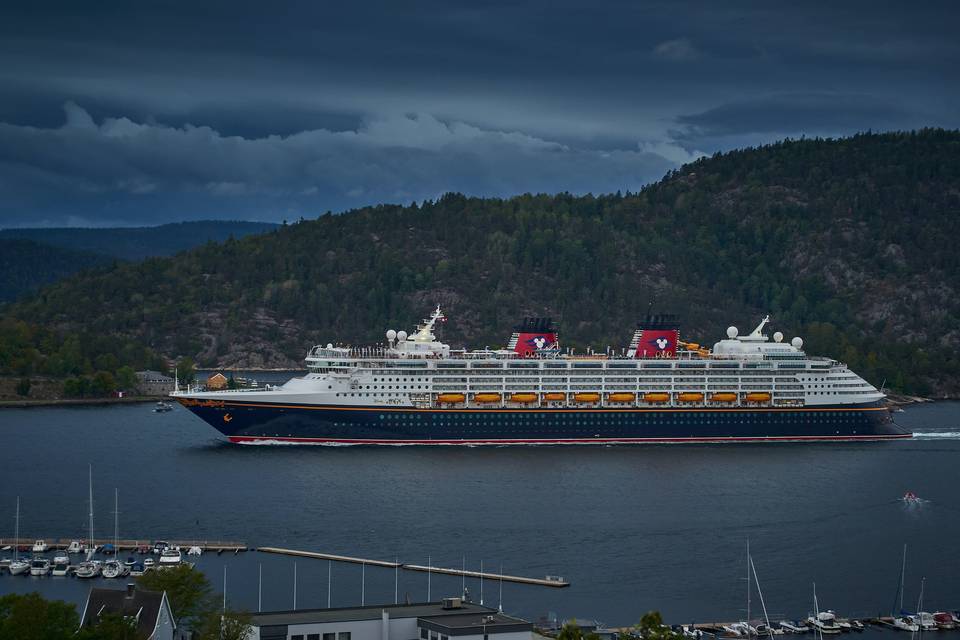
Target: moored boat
{"type": "Point", "coordinates": [60, 569]}
{"type": "Point", "coordinates": [40, 567]}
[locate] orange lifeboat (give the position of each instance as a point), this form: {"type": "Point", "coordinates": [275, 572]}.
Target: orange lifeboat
{"type": "Point", "coordinates": [524, 398]}
{"type": "Point", "coordinates": [486, 398]}
{"type": "Point", "coordinates": [656, 397]}
{"type": "Point", "coordinates": [554, 397]}
{"type": "Point", "coordinates": [621, 397]}
{"type": "Point", "coordinates": [723, 397]}
{"type": "Point", "coordinates": [689, 397]}
{"type": "Point", "coordinates": [758, 397]}
{"type": "Point", "coordinates": [693, 346]}
{"type": "Point", "coordinates": [586, 397]}
{"type": "Point", "coordinates": [450, 398]}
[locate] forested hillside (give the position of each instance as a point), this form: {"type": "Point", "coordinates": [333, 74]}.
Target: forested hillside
{"type": "Point", "coordinates": [26, 265]}
{"type": "Point", "coordinates": [847, 243]}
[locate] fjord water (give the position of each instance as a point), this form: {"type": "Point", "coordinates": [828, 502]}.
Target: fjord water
{"type": "Point", "coordinates": [632, 528]}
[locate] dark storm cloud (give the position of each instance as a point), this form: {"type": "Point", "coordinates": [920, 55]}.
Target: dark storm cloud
{"type": "Point", "coordinates": [127, 113]}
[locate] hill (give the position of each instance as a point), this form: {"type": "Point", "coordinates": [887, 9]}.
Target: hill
{"type": "Point", "coordinates": [27, 265]}
{"type": "Point", "coordinates": [137, 243]}
{"type": "Point", "coordinates": [844, 242]}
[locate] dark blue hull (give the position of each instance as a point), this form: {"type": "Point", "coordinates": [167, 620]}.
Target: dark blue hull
{"type": "Point", "coordinates": [254, 422]}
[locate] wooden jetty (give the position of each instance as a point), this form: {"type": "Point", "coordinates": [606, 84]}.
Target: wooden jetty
{"type": "Point", "coordinates": [57, 544]}
{"type": "Point", "coordinates": [542, 582]}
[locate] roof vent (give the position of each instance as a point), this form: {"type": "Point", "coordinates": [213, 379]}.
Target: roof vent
{"type": "Point", "coordinates": [452, 603]}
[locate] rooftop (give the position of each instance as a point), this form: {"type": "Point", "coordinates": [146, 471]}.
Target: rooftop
{"type": "Point", "coordinates": [429, 610]}
{"type": "Point", "coordinates": [130, 602]}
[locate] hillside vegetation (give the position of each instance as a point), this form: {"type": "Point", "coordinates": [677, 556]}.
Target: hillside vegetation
{"type": "Point", "coordinates": [26, 265]}
{"type": "Point", "coordinates": [847, 243]}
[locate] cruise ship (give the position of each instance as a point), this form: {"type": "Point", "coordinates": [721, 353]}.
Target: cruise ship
{"type": "Point", "coordinates": [414, 389]}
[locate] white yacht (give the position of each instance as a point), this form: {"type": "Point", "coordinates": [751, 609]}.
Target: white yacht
{"type": "Point", "coordinates": [40, 567]}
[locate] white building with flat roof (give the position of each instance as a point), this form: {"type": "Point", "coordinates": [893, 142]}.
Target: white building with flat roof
{"type": "Point", "coordinates": [447, 620]}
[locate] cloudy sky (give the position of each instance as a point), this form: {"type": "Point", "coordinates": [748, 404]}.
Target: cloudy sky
{"type": "Point", "coordinates": [134, 113]}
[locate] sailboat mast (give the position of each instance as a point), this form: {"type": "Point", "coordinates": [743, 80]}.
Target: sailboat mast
{"type": "Point", "coordinates": [16, 545]}
{"type": "Point", "coordinates": [903, 574]}
{"type": "Point", "coordinates": [766, 618]}
{"type": "Point", "coordinates": [90, 545]}
{"type": "Point", "coordinates": [748, 586]}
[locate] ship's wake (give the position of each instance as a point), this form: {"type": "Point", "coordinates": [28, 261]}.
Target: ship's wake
{"type": "Point", "coordinates": [936, 435]}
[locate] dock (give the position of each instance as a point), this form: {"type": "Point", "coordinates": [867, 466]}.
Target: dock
{"type": "Point", "coordinates": [541, 582]}
{"type": "Point", "coordinates": [59, 544]}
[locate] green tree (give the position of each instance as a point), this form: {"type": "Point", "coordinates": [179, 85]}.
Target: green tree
{"type": "Point", "coordinates": [229, 625]}
{"type": "Point", "coordinates": [126, 378]}
{"type": "Point", "coordinates": [187, 588]}
{"type": "Point", "coordinates": [30, 617]}
{"type": "Point", "coordinates": [572, 631]}
{"type": "Point", "coordinates": [102, 384]}
{"type": "Point", "coordinates": [23, 387]}
{"type": "Point", "coordinates": [651, 627]}
{"type": "Point", "coordinates": [186, 370]}
{"type": "Point", "coordinates": [111, 626]}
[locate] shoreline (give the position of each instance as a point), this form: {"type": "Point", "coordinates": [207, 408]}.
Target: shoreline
{"type": "Point", "coordinates": [68, 402]}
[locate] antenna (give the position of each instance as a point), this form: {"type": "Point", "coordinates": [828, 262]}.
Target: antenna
{"type": "Point", "coordinates": [294, 585]}
{"type": "Point", "coordinates": [260, 588]}
{"type": "Point", "coordinates": [329, 582]}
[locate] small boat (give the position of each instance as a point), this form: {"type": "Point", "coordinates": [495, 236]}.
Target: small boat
{"type": "Point", "coordinates": [143, 549]}
{"type": "Point", "coordinates": [148, 563]}
{"type": "Point", "coordinates": [108, 549]}
{"type": "Point", "coordinates": [689, 631]}
{"type": "Point", "coordinates": [88, 569]}
{"type": "Point", "coordinates": [162, 407]}
{"type": "Point", "coordinates": [130, 561]}
{"type": "Point", "coordinates": [61, 569]}
{"type": "Point", "coordinates": [40, 546]}
{"type": "Point", "coordinates": [112, 569]}
{"type": "Point", "coordinates": [825, 622]}
{"type": "Point", "coordinates": [857, 626]}
{"type": "Point", "coordinates": [171, 557]}
{"type": "Point", "coordinates": [39, 567]}
{"type": "Point", "coordinates": [138, 569]}
{"type": "Point", "coordinates": [160, 546]}
{"type": "Point", "coordinates": [793, 626]}
{"type": "Point", "coordinates": [904, 623]}
{"type": "Point", "coordinates": [763, 630]}
{"type": "Point", "coordinates": [944, 620]}
{"type": "Point", "coordinates": [18, 567]}
{"type": "Point", "coordinates": [195, 551]}
{"type": "Point", "coordinates": [911, 498]}
{"type": "Point", "coordinates": [927, 623]}
{"type": "Point", "coordinates": [75, 547]}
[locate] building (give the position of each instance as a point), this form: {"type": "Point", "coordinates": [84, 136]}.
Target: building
{"type": "Point", "coordinates": [154, 383]}
{"type": "Point", "coordinates": [150, 610]}
{"type": "Point", "coordinates": [451, 619]}
{"type": "Point", "coordinates": [217, 382]}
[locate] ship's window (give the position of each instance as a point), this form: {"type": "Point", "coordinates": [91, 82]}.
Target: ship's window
{"type": "Point", "coordinates": [329, 636]}
{"type": "Point", "coordinates": [343, 635]}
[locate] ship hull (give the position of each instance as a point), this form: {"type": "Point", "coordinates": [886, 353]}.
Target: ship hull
{"type": "Point", "coordinates": [249, 422]}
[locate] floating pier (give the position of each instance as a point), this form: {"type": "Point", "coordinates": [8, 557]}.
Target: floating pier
{"type": "Point", "coordinates": [542, 582]}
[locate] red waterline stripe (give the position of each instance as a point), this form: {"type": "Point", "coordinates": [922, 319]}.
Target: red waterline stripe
{"type": "Point", "coordinates": [242, 439]}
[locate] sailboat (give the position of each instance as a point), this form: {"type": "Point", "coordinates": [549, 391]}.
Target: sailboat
{"type": "Point", "coordinates": [89, 568]}
{"type": "Point", "coordinates": [822, 621]}
{"type": "Point", "coordinates": [114, 568]}
{"type": "Point", "coordinates": [18, 566]}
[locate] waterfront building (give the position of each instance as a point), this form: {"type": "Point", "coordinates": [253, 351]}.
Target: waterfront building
{"type": "Point", "coordinates": [154, 383]}
{"type": "Point", "coordinates": [149, 609]}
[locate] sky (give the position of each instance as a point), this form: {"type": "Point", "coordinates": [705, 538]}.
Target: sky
{"type": "Point", "coordinates": [129, 113]}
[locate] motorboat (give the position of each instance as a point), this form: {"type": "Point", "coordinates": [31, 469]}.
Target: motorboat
{"type": "Point", "coordinates": [911, 498]}
{"type": "Point", "coordinates": [162, 407]}
{"type": "Point", "coordinates": [130, 561]}
{"type": "Point", "coordinates": [143, 549]}
{"type": "Point", "coordinates": [112, 569]}
{"type": "Point", "coordinates": [74, 547]}
{"type": "Point", "coordinates": [944, 620]}
{"type": "Point", "coordinates": [171, 557]}
{"type": "Point", "coordinates": [108, 549]}
{"type": "Point", "coordinates": [89, 548]}
{"type": "Point", "coordinates": [763, 630]}
{"type": "Point", "coordinates": [905, 623]}
{"type": "Point", "coordinates": [160, 546]}
{"type": "Point", "coordinates": [138, 569]}
{"type": "Point", "coordinates": [40, 567]}
{"type": "Point", "coordinates": [88, 569]}
{"type": "Point", "coordinates": [40, 546]}
{"type": "Point", "coordinates": [61, 558]}
{"type": "Point", "coordinates": [857, 626]}
{"type": "Point", "coordinates": [926, 621]}
{"type": "Point", "coordinates": [689, 631]}
{"type": "Point", "coordinates": [195, 551]}
{"type": "Point", "coordinates": [732, 630]}
{"type": "Point", "coordinates": [793, 626]}
{"type": "Point", "coordinates": [149, 563]}
{"type": "Point", "coordinates": [825, 622]}
{"type": "Point", "coordinates": [61, 569]}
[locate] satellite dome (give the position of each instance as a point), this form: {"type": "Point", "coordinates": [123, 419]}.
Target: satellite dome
{"type": "Point", "coordinates": [329, 345]}
{"type": "Point", "coordinates": [391, 335]}
{"type": "Point", "coordinates": [797, 342]}
{"type": "Point", "coordinates": [732, 332]}
{"type": "Point", "coordinates": [778, 337]}
{"type": "Point", "coordinates": [401, 335]}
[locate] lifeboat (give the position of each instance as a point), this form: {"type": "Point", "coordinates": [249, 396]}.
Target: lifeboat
{"type": "Point", "coordinates": [524, 398]}
{"type": "Point", "coordinates": [758, 397]}
{"type": "Point", "coordinates": [450, 398]}
{"type": "Point", "coordinates": [656, 397]}
{"type": "Point", "coordinates": [554, 397]}
{"type": "Point", "coordinates": [621, 397]}
{"type": "Point", "coordinates": [723, 397]}
{"type": "Point", "coordinates": [486, 398]}
{"type": "Point", "coordinates": [693, 346]}
{"type": "Point", "coordinates": [689, 397]}
{"type": "Point", "coordinates": [586, 397]}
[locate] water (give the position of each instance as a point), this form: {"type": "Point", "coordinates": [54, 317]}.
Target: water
{"type": "Point", "coordinates": [632, 528]}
